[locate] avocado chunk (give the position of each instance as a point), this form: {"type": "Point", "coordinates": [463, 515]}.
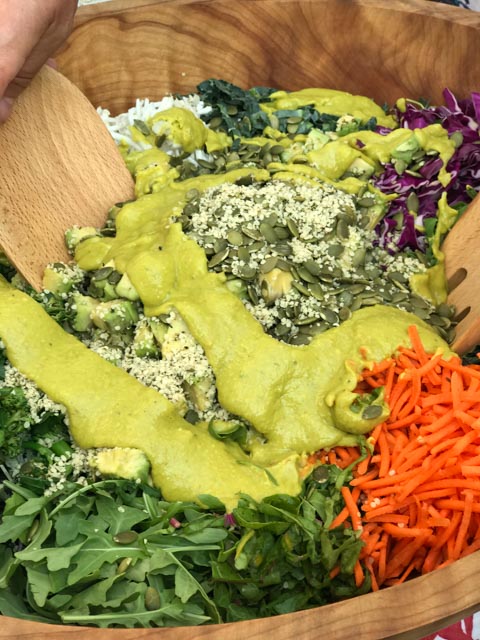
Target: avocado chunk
{"type": "Point", "coordinates": [75, 235]}
{"type": "Point", "coordinates": [131, 464]}
{"type": "Point", "coordinates": [114, 315]}
{"type": "Point", "coordinates": [84, 306]}
{"type": "Point", "coordinates": [59, 278]}
{"type": "Point", "coordinates": [125, 289]}
{"type": "Point", "coordinates": [144, 342]}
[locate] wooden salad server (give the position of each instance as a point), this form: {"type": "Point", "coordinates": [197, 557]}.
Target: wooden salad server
{"type": "Point", "coordinates": [59, 167]}
{"type": "Point", "coordinates": [462, 268]}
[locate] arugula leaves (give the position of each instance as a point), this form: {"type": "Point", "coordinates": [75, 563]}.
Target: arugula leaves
{"type": "Point", "coordinates": [115, 554]}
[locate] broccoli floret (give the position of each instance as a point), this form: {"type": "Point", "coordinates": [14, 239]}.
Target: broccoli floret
{"type": "Point", "coordinates": [15, 421]}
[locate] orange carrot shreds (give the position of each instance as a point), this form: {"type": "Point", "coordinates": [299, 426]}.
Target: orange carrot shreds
{"type": "Point", "coordinates": [334, 572]}
{"type": "Point", "coordinates": [416, 498]}
{"type": "Point", "coordinates": [358, 573]}
{"type": "Point", "coordinates": [350, 499]}
{"type": "Point", "coordinates": [384, 465]}
{"type": "Point", "coordinates": [464, 524]}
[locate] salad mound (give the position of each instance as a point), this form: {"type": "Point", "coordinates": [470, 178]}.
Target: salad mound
{"type": "Point", "coordinates": [265, 414]}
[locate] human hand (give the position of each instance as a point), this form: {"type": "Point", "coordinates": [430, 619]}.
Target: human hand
{"type": "Point", "coordinates": [30, 32]}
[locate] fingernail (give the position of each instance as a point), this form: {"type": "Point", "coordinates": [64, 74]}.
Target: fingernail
{"type": "Point", "coordinates": [5, 108]}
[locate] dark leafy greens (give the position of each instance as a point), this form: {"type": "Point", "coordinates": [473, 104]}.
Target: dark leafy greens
{"type": "Point", "coordinates": [114, 554]}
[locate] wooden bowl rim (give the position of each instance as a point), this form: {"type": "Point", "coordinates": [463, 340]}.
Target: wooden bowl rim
{"type": "Point", "coordinates": [368, 611]}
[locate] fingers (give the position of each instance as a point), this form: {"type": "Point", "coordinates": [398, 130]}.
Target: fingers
{"type": "Point", "coordinates": [30, 32]}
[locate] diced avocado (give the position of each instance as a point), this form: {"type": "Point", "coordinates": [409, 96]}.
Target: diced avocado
{"type": "Point", "coordinates": [158, 328]}
{"type": "Point", "coordinates": [198, 393]}
{"type": "Point", "coordinates": [115, 315]}
{"type": "Point", "coordinates": [56, 279]}
{"type": "Point", "coordinates": [406, 149]}
{"type": "Point", "coordinates": [75, 235]}
{"type": "Point", "coordinates": [125, 289]}
{"type": "Point", "coordinates": [131, 464]}
{"type": "Point", "coordinates": [84, 307]}
{"type": "Point", "coordinates": [359, 168]}
{"type": "Point", "coordinates": [144, 343]}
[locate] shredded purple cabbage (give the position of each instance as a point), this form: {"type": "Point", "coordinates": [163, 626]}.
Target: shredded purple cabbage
{"type": "Point", "coordinates": [464, 167]}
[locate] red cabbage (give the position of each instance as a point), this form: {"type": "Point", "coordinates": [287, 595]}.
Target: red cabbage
{"type": "Point", "coordinates": [456, 115]}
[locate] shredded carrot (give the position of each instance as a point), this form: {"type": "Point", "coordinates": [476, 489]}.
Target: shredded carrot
{"type": "Point", "coordinates": [416, 498]}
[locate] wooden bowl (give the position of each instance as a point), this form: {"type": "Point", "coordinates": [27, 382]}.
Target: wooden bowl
{"type": "Point", "coordinates": [145, 48]}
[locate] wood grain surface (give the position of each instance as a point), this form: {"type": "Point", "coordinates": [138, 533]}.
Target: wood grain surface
{"type": "Point", "coordinates": [407, 612]}
{"type": "Point", "coordinates": [381, 49]}
{"type": "Point", "coordinates": [137, 48]}
{"type": "Point", "coordinates": [63, 169]}
{"type": "Point", "coordinates": [462, 268]}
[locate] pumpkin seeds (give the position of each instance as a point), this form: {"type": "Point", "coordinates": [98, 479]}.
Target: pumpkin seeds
{"type": "Point", "coordinates": [372, 412]}
{"type": "Point", "coordinates": [125, 537]}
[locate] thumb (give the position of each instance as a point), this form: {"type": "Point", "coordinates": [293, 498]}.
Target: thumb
{"type": "Point", "coordinates": [6, 105]}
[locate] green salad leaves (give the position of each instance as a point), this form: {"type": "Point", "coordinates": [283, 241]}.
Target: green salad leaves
{"type": "Point", "coordinates": [114, 554]}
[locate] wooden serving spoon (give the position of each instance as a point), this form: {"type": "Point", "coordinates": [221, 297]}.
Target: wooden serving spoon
{"type": "Point", "coordinates": [59, 167]}
{"type": "Point", "coordinates": [462, 268]}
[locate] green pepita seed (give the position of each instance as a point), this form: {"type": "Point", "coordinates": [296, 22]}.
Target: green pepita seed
{"type": "Point", "coordinates": [317, 291]}
{"type": "Point", "coordinates": [371, 412]}
{"type": "Point", "coordinates": [215, 122]}
{"type": "Point", "coordinates": [312, 267]}
{"type": "Point", "coordinates": [269, 264]}
{"type": "Point", "coordinates": [457, 139]}
{"type": "Point", "coordinates": [243, 254]}
{"type": "Point", "coordinates": [277, 149]}
{"type": "Point", "coordinates": [152, 599]}
{"type": "Point", "coordinates": [191, 416]}
{"type": "Point", "coordinates": [123, 565]}
{"type": "Point", "coordinates": [305, 321]}
{"type": "Point", "coordinates": [413, 202]}
{"type": "Point", "coordinates": [342, 230]}
{"type": "Point", "coordinates": [299, 286]}
{"type": "Point", "coordinates": [358, 257]}
{"type": "Point", "coordinates": [366, 201]}
{"type": "Point", "coordinates": [142, 127]}
{"type": "Point", "coordinates": [293, 228]}
{"type": "Point", "coordinates": [114, 277]}
{"type": "Point", "coordinates": [283, 265]}
{"type": "Point", "coordinates": [306, 276]}
{"type": "Point", "coordinates": [102, 274]}
{"type": "Point", "coordinates": [235, 237]}
{"type": "Point", "coordinates": [125, 537]}
{"type": "Point", "coordinates": [282, 233]}
{"type": "Point", "coordinates": [218, 258]}
{"type": "Point", "coordinates": [281, 330]}
{"type": "Point", "coordinates": [344, 314]}
{"type": "Point", "coordinates": [252, 294]}
{"type": "Point", "coordinates": [400, 166]}
{"type": "Point", "coordinates": [335, 250]}
{"type": "Point", "coordinates": [247, 272]}
{"type": "Point", "coordinates": [329, 316]}
{"type": "Point", "coordinates": [251, 233]}
{"type": "Point", "coordinates": [300, 339]}
{"type": "Point", "coordinates": [268, 232]}
{"type": "Point", "coordinates": [220, 245]}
